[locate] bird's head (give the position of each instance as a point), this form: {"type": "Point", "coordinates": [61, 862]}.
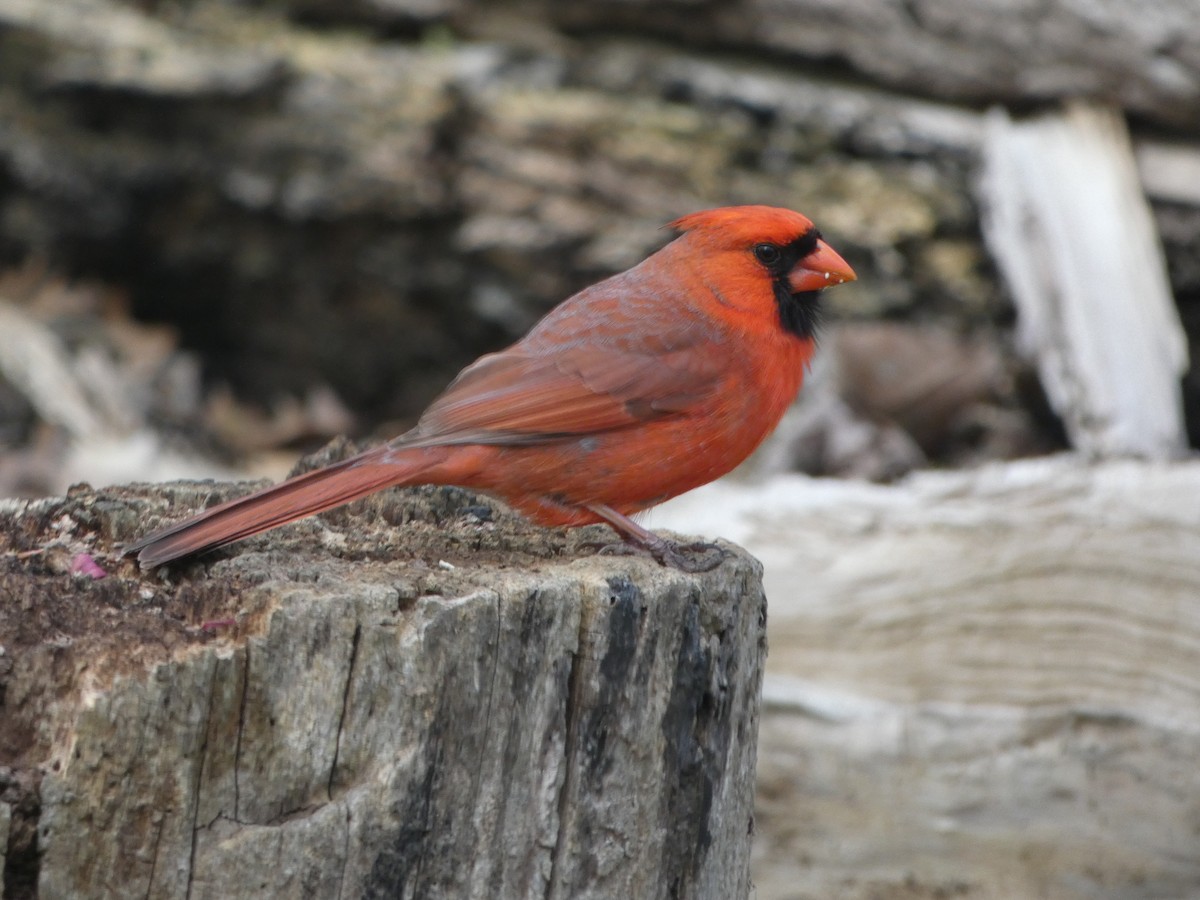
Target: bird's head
{"type": "Point", "coordinates": [762, 259]}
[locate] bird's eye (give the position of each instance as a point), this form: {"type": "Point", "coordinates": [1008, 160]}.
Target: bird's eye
{"type": "Point", "coordinates": [768, 254]}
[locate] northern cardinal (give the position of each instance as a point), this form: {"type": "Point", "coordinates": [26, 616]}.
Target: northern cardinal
{"type": "Point", "coordinates": [637, 389]}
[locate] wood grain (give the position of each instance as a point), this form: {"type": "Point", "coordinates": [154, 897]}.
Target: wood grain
{"type": "Point", "coordinates": [981, 684]}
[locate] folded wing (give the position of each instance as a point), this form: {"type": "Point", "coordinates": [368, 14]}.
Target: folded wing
{"type": "Point", "coordinates": [574, 381]}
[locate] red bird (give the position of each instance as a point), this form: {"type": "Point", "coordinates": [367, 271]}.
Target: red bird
{"type": "Point", "coordinates": [637, 389]}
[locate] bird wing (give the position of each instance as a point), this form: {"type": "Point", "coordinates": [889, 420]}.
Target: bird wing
{"type": "Point", "coordinates": [571, 380]}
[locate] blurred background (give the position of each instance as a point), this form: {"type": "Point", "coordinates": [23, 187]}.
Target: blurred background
{"type": "Point", "coordinates": [230, 231]}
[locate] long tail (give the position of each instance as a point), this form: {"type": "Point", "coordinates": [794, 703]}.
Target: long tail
{"type": "Point", "coordinates": [304, 495]}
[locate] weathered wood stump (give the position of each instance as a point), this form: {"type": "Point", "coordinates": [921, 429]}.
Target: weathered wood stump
{"type": "Point", "coordinates": [464, 706]}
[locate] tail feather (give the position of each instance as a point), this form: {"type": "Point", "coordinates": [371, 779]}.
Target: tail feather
{"type": "Point", "coordinates": [304, 495]}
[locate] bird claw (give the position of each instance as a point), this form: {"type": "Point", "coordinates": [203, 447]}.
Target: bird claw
{"type": "Point", "coordinates": [671, 554]}
{"type": "Point", "coordinates": [678, 556]}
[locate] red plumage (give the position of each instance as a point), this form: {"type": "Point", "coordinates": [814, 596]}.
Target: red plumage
{"type": "Point", "coordinates": [637, 389]}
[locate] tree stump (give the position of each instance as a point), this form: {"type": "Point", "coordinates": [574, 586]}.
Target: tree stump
{"type": "Point", "coordinates": [418, 696]}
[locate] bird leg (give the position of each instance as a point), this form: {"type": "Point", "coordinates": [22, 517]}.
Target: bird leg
{"type": "Point", "coordinates": [669, 553]}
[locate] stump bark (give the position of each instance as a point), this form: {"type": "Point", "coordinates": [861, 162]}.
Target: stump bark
{"type": "Point", "coordinates": [463, 706]}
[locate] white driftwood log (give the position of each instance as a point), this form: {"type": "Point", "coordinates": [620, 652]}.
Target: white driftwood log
{"type": "Point", "coordinates": [1070, 228]}
{"type": "Point", "coordinates": [1170, 171]}
{"type": "Point", "coordinates": [981, 684]}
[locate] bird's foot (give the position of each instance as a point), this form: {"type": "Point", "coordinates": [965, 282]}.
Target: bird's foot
{"type": "Point", "coordinates": [668, 553]}
{"type": "Point", "coordinates": [698, 556]}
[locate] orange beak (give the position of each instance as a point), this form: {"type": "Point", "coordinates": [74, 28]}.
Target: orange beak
{"type": "Point", "coordinates": [821, 268]}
